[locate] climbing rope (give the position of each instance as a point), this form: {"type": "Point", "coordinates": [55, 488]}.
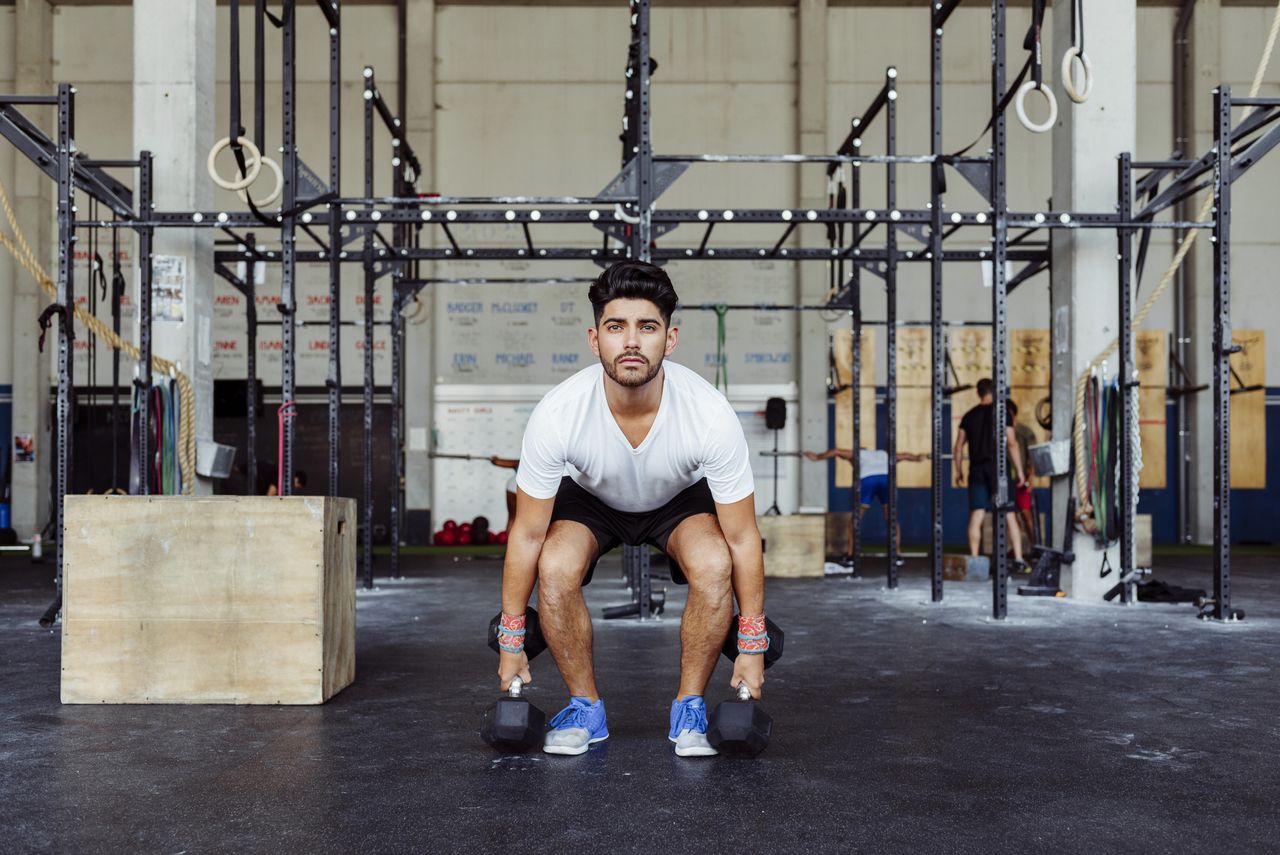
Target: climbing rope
{"type": "Point", "coordinates": [1085, 512]}
{"type": "Point", "coordinates": [21, 250]}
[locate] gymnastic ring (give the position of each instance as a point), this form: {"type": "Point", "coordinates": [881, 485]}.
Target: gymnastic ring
{"type": "Point", "coordinates": [1020, 104]}
{"type": "Point", "coordinates": [1068, 79]}
{"type": "Point", "coordinates": [251, 168]}
{"type": "Point", "coordinates": [275, 192]}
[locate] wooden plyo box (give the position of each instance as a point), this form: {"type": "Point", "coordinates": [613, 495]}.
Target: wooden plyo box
{"type": "Point", "coordinates": [965, 568]}
{"type": "Point", "coordinates": [794, 545]}
{"type": "Point", "coordinates": [210, 600]}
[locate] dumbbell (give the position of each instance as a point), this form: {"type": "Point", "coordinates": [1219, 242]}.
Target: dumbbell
{"type": "Point", "coordinates": [513, 724]}
{"type": "Point", "coordinates": [739, 728]}
{"type": "Point", "coordinates": [776, 638]}
{"type": "Point", "coordinates": [534, 643]}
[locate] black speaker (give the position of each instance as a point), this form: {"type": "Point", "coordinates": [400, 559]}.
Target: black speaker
{"type": "Point", "coordinates": [775, 414]}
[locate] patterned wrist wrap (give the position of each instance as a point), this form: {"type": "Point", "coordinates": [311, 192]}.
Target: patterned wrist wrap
{"type": "Point", "coordinates": [511, 633]}
{"type": "Point", "coordinates": [753, 639]}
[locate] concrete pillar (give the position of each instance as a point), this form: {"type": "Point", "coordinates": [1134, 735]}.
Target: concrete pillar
{"type": "Point", "coordinates": [419, 385]}
{"type": "Point", "coordinates": [33, 194]}
{"type": "Point", "coordinates": [173, 91]}
{"type": "Point", "coordinates": [1083, 294]}
{"type": "Point", "coordinates": [8, 271]}
{"type": "Point", "coordinates": [811, 331]}
{"type": "Point", "coordinates": [1206, 74]}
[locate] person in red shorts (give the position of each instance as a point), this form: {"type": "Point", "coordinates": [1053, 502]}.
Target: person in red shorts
{"type": "Point", "coordinates": [1026, 438]}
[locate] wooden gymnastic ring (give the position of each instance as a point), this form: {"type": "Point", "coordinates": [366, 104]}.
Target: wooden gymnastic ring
{"type": "Point", "coordinates": [1020, 104]}
{"type": "Point", "coordinates": [1068, 77]}
{"type": "Point", "coordinates": [251, 168]}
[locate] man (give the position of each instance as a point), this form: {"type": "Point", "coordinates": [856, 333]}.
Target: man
{"type": "Point", "coordinates": [873, 477]}
{"type": "Point", "coordinates": [634, 450]}
{"type": "Point", "coordinates": [977, 430]}
{"type": "Point", "coordinates": [1022, 496]}
{"type": "Point", "coordinates": [273, 489]}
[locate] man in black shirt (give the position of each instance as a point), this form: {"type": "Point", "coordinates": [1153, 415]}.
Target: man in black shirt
{"type": "Point", "coordinates": [977, 429]}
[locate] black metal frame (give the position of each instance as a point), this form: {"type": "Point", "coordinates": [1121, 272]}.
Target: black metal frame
{"type": "Point", "coordinates": [635, 219]}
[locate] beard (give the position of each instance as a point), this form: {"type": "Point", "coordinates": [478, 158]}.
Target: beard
{"type": "Point", "coordinates": [632, 377]}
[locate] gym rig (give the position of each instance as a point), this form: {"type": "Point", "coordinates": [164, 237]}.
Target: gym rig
{"type": "Point", "coordinates": [631, 225]}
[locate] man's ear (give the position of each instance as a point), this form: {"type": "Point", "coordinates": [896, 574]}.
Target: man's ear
{"type": "Point", "coordinates": [593, 340]}
{"type": "Point", "coordinates": [673, 338]}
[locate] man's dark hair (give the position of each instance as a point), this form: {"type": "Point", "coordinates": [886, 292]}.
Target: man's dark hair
{"type": "Point", "coordinates": [985, 387]}
{"type": "Point", "coordinates": [1010, 406]}
{"type": "Point", "coordinates": [300, 476]}
{"type": "Point", "coordinates": [634, 280]}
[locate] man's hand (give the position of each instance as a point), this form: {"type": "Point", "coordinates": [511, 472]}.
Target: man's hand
{"type": "Point", "coordinates": [748, 669]}
{"type": "Point", "coordinates": [959, 477]}
{"type": "Point", "coordinates": [512, 665]}
{"type": "Point", "coordinates": [812, 455]}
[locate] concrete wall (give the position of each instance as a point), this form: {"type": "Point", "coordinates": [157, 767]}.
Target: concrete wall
{"type": "Point", "coordinates": [528, 100]}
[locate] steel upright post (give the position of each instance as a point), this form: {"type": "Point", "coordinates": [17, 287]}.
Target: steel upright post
{"type": "Point", "coordinates": [936, 345]}
{"type": "Point", "coordinates": [1223, 347]}
{"type": "Point", "coordinates": [999, 328]}
{"type": "Point", "coordinates": [397, 404]}
{"type": "Point", "coordinates": [251, 364]}
{"type": "Point", "coordinates": [643, 231]}
{"type": "Point", "coordinates": [855, 373]}
{"type": "Point", "coordinates": [66, 306]}
{"type": "Point", "coordinates": [891, 324]}
{"type": "Point", "coordinates": [370, 277]}
{"type": "Point", "coordinates": [1126, 373]}
{"type": "Point", "coordinates": [333, 381]}
{"type": "Point", "coordinates": [288, 250]}
{"type": "Point", "coordinates": [146, 236]}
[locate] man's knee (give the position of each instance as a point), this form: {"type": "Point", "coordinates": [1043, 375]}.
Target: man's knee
{"type": "Point", "coordinates": [562, 564]}
{"type": "Point", "coordinates": [709, 568]}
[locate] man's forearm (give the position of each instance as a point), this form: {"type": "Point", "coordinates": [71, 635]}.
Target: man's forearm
{"type": "Point", "coordinates": [520, 571]}
{"type": "Point", "coordinates": [748, 576]}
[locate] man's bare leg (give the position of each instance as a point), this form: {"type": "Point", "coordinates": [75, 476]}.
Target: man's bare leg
{"type": "Point", "coordinates": [975, 531]}
{"type": "Point", "coordinates": [562, 610]}
{"type": "Point", "coordinates": [1027, 520]}
{"type": "Point", "coordinates": [698, 546]}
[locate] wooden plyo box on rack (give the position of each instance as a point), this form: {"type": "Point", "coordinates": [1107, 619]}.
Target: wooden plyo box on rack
{"type": "Point", "coordinates": [210, 600]}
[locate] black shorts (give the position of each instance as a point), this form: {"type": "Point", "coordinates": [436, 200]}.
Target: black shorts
{"type": "Point", "coordinates": [613, 527]}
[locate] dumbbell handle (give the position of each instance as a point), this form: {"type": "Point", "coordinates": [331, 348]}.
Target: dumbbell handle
{"type": "Point", "coordinates": [517, 685]}
{"type": "Point", "coordinates": [744, 694]}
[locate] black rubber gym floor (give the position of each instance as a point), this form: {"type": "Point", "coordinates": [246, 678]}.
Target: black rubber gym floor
{"type": "Point", "coordinates": [900, 726]}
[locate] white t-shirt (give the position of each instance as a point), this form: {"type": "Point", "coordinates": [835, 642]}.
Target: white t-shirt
{"type": "Point", "coordinates": [696, 434]}
{"type": "Point", "coordinates": [872, 462]}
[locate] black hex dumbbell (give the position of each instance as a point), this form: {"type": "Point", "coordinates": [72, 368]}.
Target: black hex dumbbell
{"type": "Point", "coordinates": [513, 724]}
{"type": "Point", "coordinates": [776, 638]}
{"type": "Point", "coordinates": [739, 728]}
{"type": "Point", "coordinates": [534, 643]}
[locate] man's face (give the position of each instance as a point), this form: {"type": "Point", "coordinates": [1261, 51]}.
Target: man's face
{"type": "Point", "coordinates": [631, 341]}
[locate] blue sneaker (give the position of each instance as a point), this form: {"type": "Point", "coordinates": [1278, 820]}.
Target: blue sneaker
{"type": "Point", "coordinates": [689, 727]}
{"type": "Point", "coordinates": [578, 725]}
